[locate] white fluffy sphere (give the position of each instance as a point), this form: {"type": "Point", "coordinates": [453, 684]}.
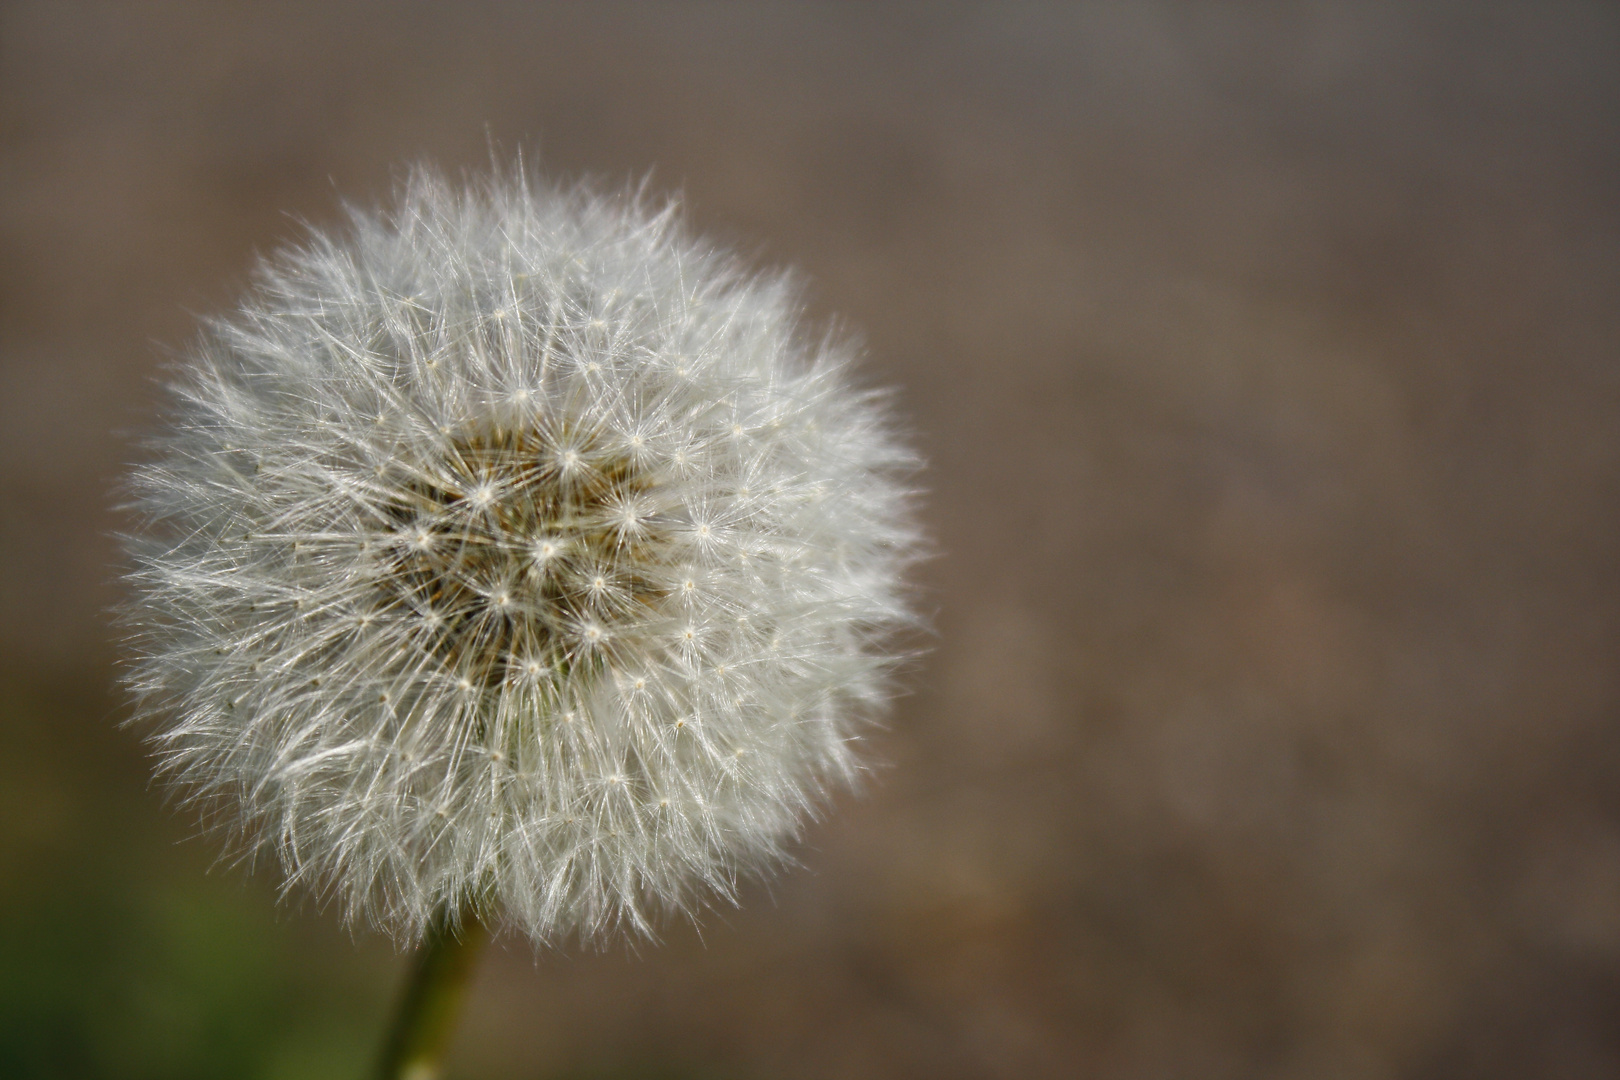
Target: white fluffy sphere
{"type": "Point", "coordinates": [514, 553]}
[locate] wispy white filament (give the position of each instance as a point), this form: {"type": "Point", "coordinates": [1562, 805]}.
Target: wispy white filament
{"type": "Point", "coordinates": [515, 549]}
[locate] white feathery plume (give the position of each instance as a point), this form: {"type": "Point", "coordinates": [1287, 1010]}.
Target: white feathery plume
{"type": "Point", "coordinates": [515, 552]}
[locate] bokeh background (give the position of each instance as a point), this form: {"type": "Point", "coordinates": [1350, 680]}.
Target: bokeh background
{"type": "Point", "coordinates": [1265, 356]}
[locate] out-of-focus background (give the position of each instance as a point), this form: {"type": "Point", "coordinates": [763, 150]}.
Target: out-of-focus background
{"type": "Point", "coordinates": [1267, 358]}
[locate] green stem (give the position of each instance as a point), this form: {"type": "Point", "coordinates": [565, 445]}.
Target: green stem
{"type": "Point", "coordinates": [427, 1014]}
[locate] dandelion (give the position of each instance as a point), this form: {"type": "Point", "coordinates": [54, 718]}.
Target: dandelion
{"type": "Point", "coordinates": [514, 558]}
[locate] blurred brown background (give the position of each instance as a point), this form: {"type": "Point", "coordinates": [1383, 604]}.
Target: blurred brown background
{"type": "Point", "coordinates": [1266, 360]}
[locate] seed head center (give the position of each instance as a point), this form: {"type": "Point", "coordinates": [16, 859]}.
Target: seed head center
{"type": "Point", "coordinates": [510, 551]}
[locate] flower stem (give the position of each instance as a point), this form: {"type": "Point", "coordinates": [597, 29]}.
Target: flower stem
{"type": "Point", "coordinates": [427, 1013]}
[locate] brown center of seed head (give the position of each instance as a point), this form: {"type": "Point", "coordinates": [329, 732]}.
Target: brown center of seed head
{"type": "Point", "coordinates": [525, 555]}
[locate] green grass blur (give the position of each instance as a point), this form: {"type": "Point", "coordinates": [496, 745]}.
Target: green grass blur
{"type": "Point", "coordinates": [125, 952]}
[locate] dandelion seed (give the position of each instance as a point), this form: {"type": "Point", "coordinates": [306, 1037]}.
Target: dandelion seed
{"type": "Point", "coordinates": [460, 692]}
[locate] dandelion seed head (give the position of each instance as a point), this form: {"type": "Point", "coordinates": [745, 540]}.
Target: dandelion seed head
{"type": "Point", "coordinates": [416, 592]}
